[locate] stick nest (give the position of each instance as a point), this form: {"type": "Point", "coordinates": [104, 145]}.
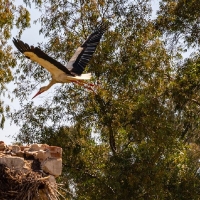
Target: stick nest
{"type": "Point", "coordinates": [15, 185]}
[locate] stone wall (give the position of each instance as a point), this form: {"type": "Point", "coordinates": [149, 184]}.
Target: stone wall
{"type": "Point", "coordinates": [40, 159]}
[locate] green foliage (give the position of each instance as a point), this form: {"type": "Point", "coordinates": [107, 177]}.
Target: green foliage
{"type": "Point", "coordinates": [131, 138]}
{"type": "Point", "coordinates": [181, 18]}
{"type": "Point", "coordinates": [10, 17]}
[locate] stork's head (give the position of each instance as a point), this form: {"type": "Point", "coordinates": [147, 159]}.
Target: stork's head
{"type": "Point", "coordinates": [41, 90]}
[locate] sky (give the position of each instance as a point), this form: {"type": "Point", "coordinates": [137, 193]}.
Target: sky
{"type": "Point", "coordinates": [32, 37]}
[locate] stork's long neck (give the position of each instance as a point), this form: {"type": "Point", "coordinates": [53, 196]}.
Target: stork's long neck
{"type": "Point", "coordinates": [45, 88]}
{"type": "Point", "coordinates": [52, 82]}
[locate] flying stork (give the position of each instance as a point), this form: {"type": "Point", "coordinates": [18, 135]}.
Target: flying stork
{"type": "Point", "coordinates": [72, 72]}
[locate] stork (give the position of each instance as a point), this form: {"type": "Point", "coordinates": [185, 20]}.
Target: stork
{"type": "Point", "coordinates": [73, 71]}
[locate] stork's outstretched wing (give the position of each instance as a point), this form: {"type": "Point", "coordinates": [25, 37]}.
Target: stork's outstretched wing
{"type": "Point", "coordinates": [76, 64]}
{"type": "Point", "coordinates": [37, 55]}
{"type": "Point", "coordinates": [84, 53]}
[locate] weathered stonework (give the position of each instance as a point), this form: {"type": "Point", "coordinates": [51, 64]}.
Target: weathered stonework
{"type": "Point", "coordinates": [42, 159]}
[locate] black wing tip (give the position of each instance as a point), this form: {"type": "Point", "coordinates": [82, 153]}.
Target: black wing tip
{"type": "Point", "coordinates": [14, 39]}
{"type": "Point", "coordinates": [102, 27]}
{"type": "Point", "coordinates": [17, 41]}
{"type": "Point", "coordinates": [20, 45]}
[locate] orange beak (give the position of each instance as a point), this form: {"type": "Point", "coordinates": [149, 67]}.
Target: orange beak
{"type": "Point", "coordinates": [37, 94]}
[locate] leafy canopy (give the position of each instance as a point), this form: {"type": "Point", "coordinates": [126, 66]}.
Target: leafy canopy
{"type": "Point", "coordinates": [11, 16]}
{"type": "Point", "coordinates": [136, 137]}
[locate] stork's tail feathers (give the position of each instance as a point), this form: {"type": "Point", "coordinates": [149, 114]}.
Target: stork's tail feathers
{"type": "Point", "coordinates": [84, 76]}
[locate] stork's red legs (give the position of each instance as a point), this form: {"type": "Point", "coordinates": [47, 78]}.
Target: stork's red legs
{"type": "Point", "coordinates": [89, 86]}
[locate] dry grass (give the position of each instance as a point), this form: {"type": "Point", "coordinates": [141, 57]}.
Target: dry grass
{"type": "Point", "coordinates": [15, 185]}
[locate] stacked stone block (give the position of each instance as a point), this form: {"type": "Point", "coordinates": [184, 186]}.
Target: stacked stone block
{"type": "Point", "coordinates": [37, 157]}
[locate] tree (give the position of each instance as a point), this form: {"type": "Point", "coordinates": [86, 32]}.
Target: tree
{"type": "Point", "coordinates": [11, 16]}
{"type": "Point", "coordinates": [180, 18]}
{"type": "Point", "coordinates": [180, 21]}
{"type": "Point", "coordinates": [129, 139]}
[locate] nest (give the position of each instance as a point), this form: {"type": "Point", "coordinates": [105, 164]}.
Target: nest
{"type": "Point", "coordinates": [15, 185]}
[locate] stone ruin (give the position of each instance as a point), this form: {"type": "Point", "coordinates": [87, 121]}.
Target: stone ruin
{"type": "Point", "coordinates": [29, 172]}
